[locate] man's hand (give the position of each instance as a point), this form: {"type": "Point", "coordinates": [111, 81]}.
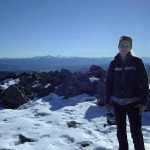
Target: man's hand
{"type": "Point", "coordinates": [108, 108]}
{"type": "Point", "coordinates": [141, 108]}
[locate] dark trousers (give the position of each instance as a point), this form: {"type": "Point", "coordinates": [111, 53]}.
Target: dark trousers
{"type": "Point", "coordinates": [120, 112]}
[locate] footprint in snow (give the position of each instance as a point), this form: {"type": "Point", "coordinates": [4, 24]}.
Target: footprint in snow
{"type": "Point", "coordinates": [66, 139]}
{"type": "Point", "coordinates": [42, 114]}
{"type": "Point", "coordinates": [46, 135]}
{"type": "Point", "coordinates": [37, 124]}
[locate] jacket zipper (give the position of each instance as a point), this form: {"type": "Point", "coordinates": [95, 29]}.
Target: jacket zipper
{"type": "Point", "coordinates": [122, 91]}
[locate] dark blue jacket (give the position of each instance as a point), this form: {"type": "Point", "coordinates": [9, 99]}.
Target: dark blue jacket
{"type": "Point", "coordinates": [127, 80]}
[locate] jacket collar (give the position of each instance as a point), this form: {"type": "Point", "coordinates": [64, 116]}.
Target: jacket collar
{"type": "Point", "coordinates": [118, 55]}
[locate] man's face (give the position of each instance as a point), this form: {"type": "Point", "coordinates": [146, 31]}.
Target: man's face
{"type": "Point", "coordinates": [124, 47]}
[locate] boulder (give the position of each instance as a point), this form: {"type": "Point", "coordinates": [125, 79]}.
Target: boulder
{"type": "Point", "coordinates": [26, 79]}
{"type": "Point", "coordinates": [97, 71]}
{"type": "Point", "coordinates": [65, 77]}
{"type": "Point", "coordinates": [43, 91]}
{"type": "Point", "coordinates": [94, 68]}
{"type": "Point", "coordinates": [100, 88]}
{"type": "Point", "coordinates": [10, 75]}
{"type": "Point", "coordinates": [83, 84]}
{"type": "Point", "coordinates": [45, 78]}
{"type": "Point", "coordinates": [67, 91]}
{"type": "Point", "coordinates": [14, 97]}
{"type": "Point", "coordinates": [1, 92]}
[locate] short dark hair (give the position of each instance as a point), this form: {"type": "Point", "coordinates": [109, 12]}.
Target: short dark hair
{"type": "Point", "coordinates": [126, 38]}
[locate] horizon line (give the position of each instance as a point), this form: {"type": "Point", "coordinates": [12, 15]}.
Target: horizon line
{"type": "Point", "coordinates": [59, 56]}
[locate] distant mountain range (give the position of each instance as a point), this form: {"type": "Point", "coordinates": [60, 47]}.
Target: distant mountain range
{"type": "Point", "coordinates": [45, 63]}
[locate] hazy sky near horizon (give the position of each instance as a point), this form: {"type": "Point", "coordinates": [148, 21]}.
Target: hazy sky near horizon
{"type": "Point", "coordinates": [86, 28]}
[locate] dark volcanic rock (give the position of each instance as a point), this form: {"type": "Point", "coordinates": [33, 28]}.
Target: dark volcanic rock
{"type": "Point", "coordinates": [100, 88]}
{"type": "Point", "coordinates": [97, 71]}
{"type": "Point", "coordinates": [14, 96]}
{"type": "Point", "coordinates": [67, 91]}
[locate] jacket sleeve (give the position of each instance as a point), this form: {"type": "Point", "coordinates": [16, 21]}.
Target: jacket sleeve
{"type": "Point", "coordinates": [109, 82]}
{"type": "Point", "coordinates": [143, 81]}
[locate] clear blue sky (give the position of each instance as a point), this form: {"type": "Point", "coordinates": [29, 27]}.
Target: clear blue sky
{"type": "Point", "coordinates": [87, 28]}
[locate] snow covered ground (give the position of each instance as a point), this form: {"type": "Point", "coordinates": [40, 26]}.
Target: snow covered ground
{"type": "Point", "coordinates": [45, 122]}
